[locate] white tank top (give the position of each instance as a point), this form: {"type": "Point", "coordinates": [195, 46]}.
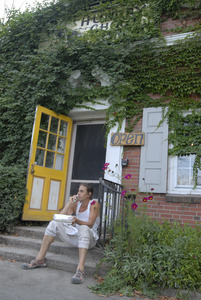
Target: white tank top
{"type": "Point", "coordinates": [84, 216]}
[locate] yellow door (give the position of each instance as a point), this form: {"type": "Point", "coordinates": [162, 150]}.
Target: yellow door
{"type": "Point", "coordinates": [48, 165]}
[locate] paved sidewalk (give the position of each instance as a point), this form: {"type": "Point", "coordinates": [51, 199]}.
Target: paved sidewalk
{"type": "Point", "coordinates": [53, 284]}
{"type": "Point", "coordinates": [43, 284]}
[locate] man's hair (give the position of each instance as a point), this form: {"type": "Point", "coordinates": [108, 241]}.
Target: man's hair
{"type": "Point", "coordinates": [89, 188]}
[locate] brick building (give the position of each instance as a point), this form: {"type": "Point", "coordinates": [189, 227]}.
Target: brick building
{"type": "Point", "coordinates": [169, 178]}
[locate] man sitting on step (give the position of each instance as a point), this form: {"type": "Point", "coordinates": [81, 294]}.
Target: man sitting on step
{"type": "Point", "coordinates": [82, 233]}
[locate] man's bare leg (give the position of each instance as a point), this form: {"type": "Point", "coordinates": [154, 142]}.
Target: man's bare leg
{"type": "Point", "coordinates": [82, 258]}
{"type": "Point", "coordinates": [38, 262]}
{"type": "Point", "coordinates": [79, 275]}
{"type": "Point", "coordinates": [47, 240]}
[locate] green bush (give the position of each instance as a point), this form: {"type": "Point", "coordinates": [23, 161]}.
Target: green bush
{"type": "Point", "coordinates": [149, 256]}
{"type": "Point", "coordinates": [12, 195]}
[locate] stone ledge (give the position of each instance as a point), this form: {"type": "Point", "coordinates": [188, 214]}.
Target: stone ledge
{"type": "Point", "coordinates": [192, 199]}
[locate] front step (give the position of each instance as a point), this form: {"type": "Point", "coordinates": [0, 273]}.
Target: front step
{"type": "Point", "coordinates": [24, 243]}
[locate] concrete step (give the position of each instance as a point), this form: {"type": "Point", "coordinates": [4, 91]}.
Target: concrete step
{"type": "Point", "coordinates": [55, 261]}
{"type": "Point", "coordinates": [56, 247]}
{"type": "Point", "coordinates": [24, 242]}
{"type": "Point", "coordinates": [34, 231]}
{"type": "Point", "coordinates": [30, 231]}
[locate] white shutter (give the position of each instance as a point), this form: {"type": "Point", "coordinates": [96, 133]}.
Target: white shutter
{"type": "Point", "coordinates": [154, 153]}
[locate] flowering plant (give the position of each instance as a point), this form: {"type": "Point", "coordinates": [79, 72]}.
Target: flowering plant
{"type": "Point", "coordinates": [129, 191]}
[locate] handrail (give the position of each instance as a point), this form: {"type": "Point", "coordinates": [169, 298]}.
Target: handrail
{"type": "Point", "coordinates": [109, 197]}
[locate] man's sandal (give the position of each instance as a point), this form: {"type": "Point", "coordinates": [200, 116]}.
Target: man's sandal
{"type": "Point", "coordinates": [34, 264]}
{"type": "Point", "coordinates": [78, 277]}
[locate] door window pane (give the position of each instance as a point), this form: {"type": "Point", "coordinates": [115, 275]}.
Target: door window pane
{"type": "Point", "coordinates": [54, 125]}
{"type": "Point", "coordinates": [49, 160]}
{"type": "Point", "coordinates": [63, 128]}
{"type": "Point", "coordinates": [59, 162]}
{"type": "Point", "coordinates": [44, 121]}
{"type": "Point", "coordinates": [42, 139]}
{"type": "Point", "coordinates": [89, 155]}
{"type": "Point", "coordinates": [61, 145]}
{"type": "Point", "coordinates": [39, 157]}
{"type": "Point", "coordinates": [52, 142]}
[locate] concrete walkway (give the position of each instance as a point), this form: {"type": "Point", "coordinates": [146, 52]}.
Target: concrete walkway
{"type": "Point", "coordinates": [53, 284]}
{"type": "Point", "coordinates": [43, 284]}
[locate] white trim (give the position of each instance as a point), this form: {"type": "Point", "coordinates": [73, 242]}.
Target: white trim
{"type": "Point", "coordinates": [170, 40]}
{"type": "Point", "coordinates": [97, 111]}
{"type": "Point", "coordinates": [113, 157]}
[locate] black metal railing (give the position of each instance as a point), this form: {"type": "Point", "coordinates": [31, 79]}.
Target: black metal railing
{"type": "Point", "coordinates": [110, 203]}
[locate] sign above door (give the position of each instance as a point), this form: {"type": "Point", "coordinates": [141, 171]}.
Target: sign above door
{"type": "Point", "coordinates": [127, 139]}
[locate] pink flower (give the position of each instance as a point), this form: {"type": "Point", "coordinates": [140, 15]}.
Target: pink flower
{"type": "Point", "coordinates": [93, 202]}
{"type": "Point", "coordinates": [150, 198]}
{"type": "Point", "coordinates": [105, 166]}
{"type": "Point", "coordinates": [128, 176]}
{"type": "Point", "coordinates": [145, 199]}
{"type": "Point", "coordinates": [123, 193]}
{"type": "Point", "coordinates": [134, 206]}
{"type": "Point", "coordinates": [132, 190]}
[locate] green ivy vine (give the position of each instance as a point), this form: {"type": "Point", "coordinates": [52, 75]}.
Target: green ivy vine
{"type": "Point", "coordinates": [39, 52]}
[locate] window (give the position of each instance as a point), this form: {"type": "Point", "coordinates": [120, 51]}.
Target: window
{"type": "Point", "coordinates": [180, 176]}
{"type": "Point", "coordinates": [185, 171]}
{"type": "Point", "coordinates": [180, 172]}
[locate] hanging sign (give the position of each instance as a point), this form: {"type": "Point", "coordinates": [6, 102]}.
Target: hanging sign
{"type": "Point", "coordinates": [127, 139]}
{"type": "Point", "coordinates": [90, 24]}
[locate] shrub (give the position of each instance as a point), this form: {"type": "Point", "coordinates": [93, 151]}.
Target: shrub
{"type": "Point", "coordinates": [149, 256]}
{"type": "Point", "coordinates": [12, 195]}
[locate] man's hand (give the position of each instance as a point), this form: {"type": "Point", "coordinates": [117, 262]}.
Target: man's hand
{"type": "Point", "coordinates": [74, 220]}
{"type": "Point", "coordinates": [74, 199]}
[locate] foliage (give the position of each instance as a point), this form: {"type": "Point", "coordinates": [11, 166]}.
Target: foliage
{"type": "Point", "coordinates": [38, 53]}
{"type": "Point", "coordinates": [129, 191]}
{"type": "Point", "coordinates": [12, 195]}
{"type": "Point", "coordinates": [150, 256]}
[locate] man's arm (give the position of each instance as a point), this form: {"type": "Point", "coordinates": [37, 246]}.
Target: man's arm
{"type": "Point", "coordinates": [94, 213]}
{"type": "Point", "coordinates": [70, 207]}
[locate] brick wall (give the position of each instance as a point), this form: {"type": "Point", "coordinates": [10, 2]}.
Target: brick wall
{"type": "Point", "coordinates": [171, 26]}
{"type": "Point", "coordinates": [182, 209]}
{"type": "Point", "coordinates": [161, 209]}
{"type": "Point", "coordinates": [174, 208]}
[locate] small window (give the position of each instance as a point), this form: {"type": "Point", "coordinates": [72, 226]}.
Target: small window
{"type": "Point", "coordinates": [180, 170]}
{"type": "Point", "coordinates": [185, 171]}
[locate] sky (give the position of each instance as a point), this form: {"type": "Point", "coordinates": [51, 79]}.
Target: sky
{"type": "Point", "coordinates": [17, 4]}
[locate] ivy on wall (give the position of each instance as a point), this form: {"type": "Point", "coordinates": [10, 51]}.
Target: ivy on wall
{"type": "Point", "coordinates": [38, 54]}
